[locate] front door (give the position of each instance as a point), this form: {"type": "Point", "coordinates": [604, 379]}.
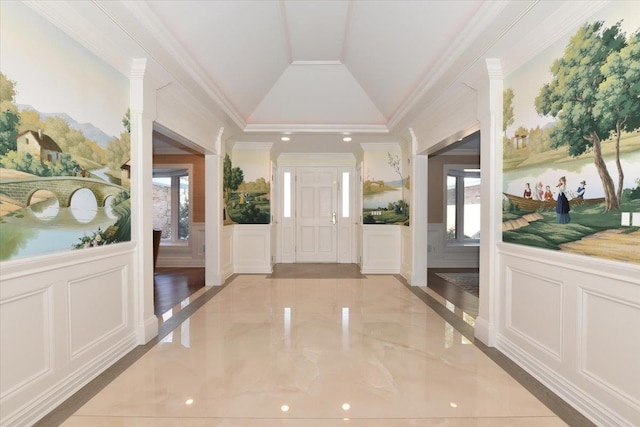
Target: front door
{"type": "Point", "coordinates": [316, 214]}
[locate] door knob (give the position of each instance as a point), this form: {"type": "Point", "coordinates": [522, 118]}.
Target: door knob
{"type": "Point", "coordinates": [333, 218]}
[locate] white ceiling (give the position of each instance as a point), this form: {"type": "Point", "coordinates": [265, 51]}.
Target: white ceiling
{"type": "Point", "coordinates": [320, 66]}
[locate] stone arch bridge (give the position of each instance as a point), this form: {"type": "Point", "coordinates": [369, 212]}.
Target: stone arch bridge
{"type": "Point", "coordinates": [63, 187]}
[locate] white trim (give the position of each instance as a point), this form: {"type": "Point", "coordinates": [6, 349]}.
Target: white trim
{"type": "Point", "coordinates": [325, 62]}
{"type": "Point", "coordinates": [67, 386]}
{"type": "Point", "coordinates": [175, 52]}
{"type": "Point", "coordinates": [380, 146]}
{"type": "Point", "coordinates": [251, 146]}
{"type": "Point", "coordinates": [316, 128]}
{"type": "Point", "coordinates": [457, 49]}
{"type": "Point", "coordinates": [575, 396]}
{"type": "Point", "coordinates": [316, 159]}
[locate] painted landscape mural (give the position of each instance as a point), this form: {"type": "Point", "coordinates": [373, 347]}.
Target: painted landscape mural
{"type": "Point", "coordinates": [385, 188]}
{"type": "Point", "coordinates": [246, 191]}
{"type": "Point", "coordinates": [572, 143]}
{"type": "Point", "coordinates": [64, 142]}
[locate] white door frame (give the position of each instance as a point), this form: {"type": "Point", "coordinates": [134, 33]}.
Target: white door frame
{"type": "Point", "coordinates": [285, 236]}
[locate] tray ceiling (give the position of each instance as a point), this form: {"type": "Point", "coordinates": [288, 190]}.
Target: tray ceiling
{"type": "Point", "coordinates": [322, 65]}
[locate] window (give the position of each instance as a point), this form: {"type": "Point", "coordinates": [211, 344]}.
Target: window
{"type": "Point", "coordinates": [463, 204]}
{"type": "Point", "coordinates": [345, 195]}
{"type": "Point", "coordinates": [171, 203]}
{"type": "Point", "coordinates": [287, 194]}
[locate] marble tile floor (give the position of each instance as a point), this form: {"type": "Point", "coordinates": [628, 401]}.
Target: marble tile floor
{"type": "Point", "coordinates": [313, 352]}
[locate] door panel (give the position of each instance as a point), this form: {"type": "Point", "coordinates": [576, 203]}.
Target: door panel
{"type": "Point", "coordinates": [316, 234]}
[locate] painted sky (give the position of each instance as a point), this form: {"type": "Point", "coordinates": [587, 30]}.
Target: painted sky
{"type": "Point", "coordinates": [254, 164]}
{"type": "Point", "coordinates": [536, 73]}
{"type": "Point", "coordinates": [56, 74]}
{"type": "Point", "coordinates": [376, 165]}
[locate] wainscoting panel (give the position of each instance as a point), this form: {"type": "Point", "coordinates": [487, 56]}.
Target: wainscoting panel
{"type": "Point", "coordinates": [604, 348]}
{"type": "Point", "coordinates": [525, 293]}
{"type": "Point", "coordinates": [252, 248]}
{"type": "Point", "coordinates": [89, 322]}
{"type": "Point", "coordinates": [25, 357]}
{"type": "Point", "coordinates": [381, 249]}
{"type": "Point", "coordinates": [406, 256]}
{"type": "Point", "coordinates": [226, 257]}
{"type": "Point", "coordinates": [572, 322]}
{"type": "Point", "coordinates": [63, 319]}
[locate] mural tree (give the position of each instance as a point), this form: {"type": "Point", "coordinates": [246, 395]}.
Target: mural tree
{"type": "Point", "coordinates": [231, 177]}
{"type": "Point", "coordinates": [574, 97]}
{"type": "Point", "coordinates": [508, 117]}
{"type": "Point", "coordinates": [395, 163]}
{"type": "Point", "coordinates": [9, 116]}
{"type": "Point", "coordinates": [119, 149]}
{"type": "Point", "coordinates": [618, 98]}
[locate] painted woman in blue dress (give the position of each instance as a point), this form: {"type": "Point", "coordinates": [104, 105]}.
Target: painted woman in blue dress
{"type": "Point", "coordinates": [562, 203]}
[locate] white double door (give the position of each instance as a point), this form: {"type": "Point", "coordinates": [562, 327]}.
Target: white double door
{"type": "Point", "coordinates": [316, 216]}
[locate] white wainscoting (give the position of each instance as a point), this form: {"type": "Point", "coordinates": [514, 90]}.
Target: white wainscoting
{"type": "Point", "coordinates": [572, 322]}
{"type": "Point", "coordinates": [252, 248]}
{"type": "Point", "coordinates": [381, 248]}
{"type": "Point", "coordinates": [441, 255]}
{"type": "Point", "coordinates": [78, 309]}
{"type": "Point", "coordinates": [406, 255]}
{"type": "Point", "coordinates": [187, 255]}
{"type": "Point", "coordinates": [226, 252]}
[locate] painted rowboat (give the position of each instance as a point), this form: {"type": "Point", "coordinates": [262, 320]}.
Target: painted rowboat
{"type": "Point", "coordinates": [534, 205]}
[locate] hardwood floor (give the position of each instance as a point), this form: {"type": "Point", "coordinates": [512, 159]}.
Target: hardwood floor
{"type": "Point", "coordinates": [172, 285]}
{"type": "Point", "coordinates": [461, 299]}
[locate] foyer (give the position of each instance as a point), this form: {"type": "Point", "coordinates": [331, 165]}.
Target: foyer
{"type": "Point", "coordinates": [319, 346]}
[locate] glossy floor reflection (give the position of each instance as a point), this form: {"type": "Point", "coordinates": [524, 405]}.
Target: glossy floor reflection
{"type": "Point", "coordinates": [314, 352]}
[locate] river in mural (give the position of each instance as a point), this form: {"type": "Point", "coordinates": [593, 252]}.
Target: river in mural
{"type": "Point", "coordinates": [575, 171]}
{"type": "Point", "coordinates": [45, 227]}
{"type": "Point", "coordinates": [382, 199]}
{"type": "Point", "coordinates": [104, 175]}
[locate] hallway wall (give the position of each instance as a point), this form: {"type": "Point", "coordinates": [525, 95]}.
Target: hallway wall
{"type": "Point", "coordinates": [567, 319]}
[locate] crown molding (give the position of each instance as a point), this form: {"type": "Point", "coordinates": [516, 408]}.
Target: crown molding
{"type": "Point", "coordinates": [487, 13]}
{"type": "Point", "coordinates": [316, 159]}
{"type": "Point", "coordinates": [65, 16]}
{"type": "Point", "coordinates": [252, 146]}
{"type": "Point", "coordinates": [323, 62]}
{"type": "Point", "coordinates": [380, 146]}
{"type": "Point", "coordinates": [165, 44]}
{"type": "Point", "coordinates": [315, 128]}
{"type": "Point", "coordinates": [563, 21]}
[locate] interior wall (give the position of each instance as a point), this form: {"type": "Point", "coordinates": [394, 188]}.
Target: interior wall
{"type": "Point", "coordinates": [197, 180]}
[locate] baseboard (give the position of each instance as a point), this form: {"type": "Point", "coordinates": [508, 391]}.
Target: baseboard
{"type": "Point", "coordinates": [266, 269]}
{"type": "Point", "coordinates": [380, 270]}
{"type": "Point", "coordinates": [67, 386]}
{"type": "Point", "coordinates": [569, 392]}
{"type": "Point", "coordinates": [485, 332]}
{"type": "Point", "coordinates": [147, 330]}
{"type": "Point", "coordinates": [180, 262]}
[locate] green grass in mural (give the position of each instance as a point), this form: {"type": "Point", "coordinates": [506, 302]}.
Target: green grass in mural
{"type": "Point", "coordinates": [585, 221]}
{"type": "Point", "coordinates": [249, 208]}
{"type": "Point", "coordinates": [385, 217]}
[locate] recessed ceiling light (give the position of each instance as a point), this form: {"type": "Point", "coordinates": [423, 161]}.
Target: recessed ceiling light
{"type": "Point", "coordinates": [285, 138]}
{"type": "Point", "coordinates": [346, 139]}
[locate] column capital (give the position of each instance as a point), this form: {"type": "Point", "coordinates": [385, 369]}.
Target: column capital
{"type": "Point", "coordinates": [494, 68]}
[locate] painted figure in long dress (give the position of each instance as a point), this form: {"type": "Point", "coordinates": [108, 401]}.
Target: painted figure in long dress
{"type": "Point", "coordinates": [562, 203]}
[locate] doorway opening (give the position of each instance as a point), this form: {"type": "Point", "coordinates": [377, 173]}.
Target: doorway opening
{"type": "Point", "coordinates": [454, 225]}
